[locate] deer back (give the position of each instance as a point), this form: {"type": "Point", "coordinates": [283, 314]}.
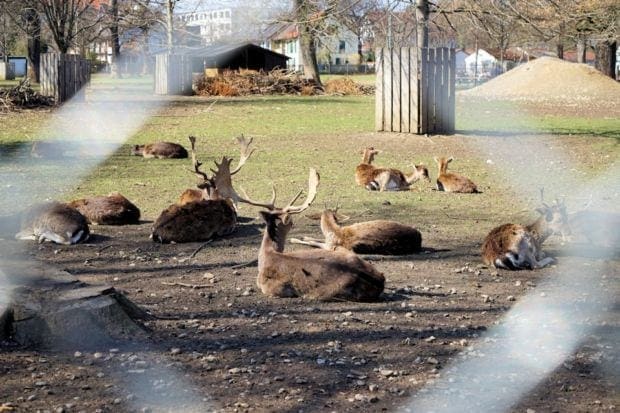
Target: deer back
{"type": "Point", "coordinates": [194, 221]}
{"type": "Point", "coordinates": [452, 182]}
{"type": "Point", "coordinates": [55, 222]}
{"type": "Point", "coordinates": [502, 240]}
{"type": "Point", "coordinates": [600, 228]}
{"type": "Point", "coordinates": [113, 209]}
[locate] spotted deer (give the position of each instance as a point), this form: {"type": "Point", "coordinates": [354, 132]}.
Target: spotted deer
{"type": "Point", "coordinates": [207, 212]}
{"type": "Point", "coordinates": [160, 150]}
{"type": "Point", "coordinates": [452, 182]}
{"type": "Point", "coordinates": [113, 209]}
{"type": "Point", "coordinates": [53, 221]}
{"type": "Point", "coordinates": [370, 237]}
{"type": "Point", "coordinates": [313, 274]}
{"type": "Point", "coordinates": [385, 179]}
{"type": "Point", "coordinates": [516, 247]}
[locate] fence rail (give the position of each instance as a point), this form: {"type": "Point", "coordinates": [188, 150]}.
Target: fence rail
{"type": "Point", "coordinates": [64, 76]}
{"type": "Point", "coordinates": [415, 90]}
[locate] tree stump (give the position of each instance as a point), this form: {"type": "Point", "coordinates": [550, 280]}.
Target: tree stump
{"type": "Point", "coordinates": [44, 307]}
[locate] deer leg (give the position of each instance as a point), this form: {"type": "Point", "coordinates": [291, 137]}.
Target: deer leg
{"type": "Point", "coordinates": [313, 242]}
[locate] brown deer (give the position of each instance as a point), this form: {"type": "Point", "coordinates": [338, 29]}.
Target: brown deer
{"type": "Point", "coordinates": [160, 150]}
{"type": "Point", "coordinates": [516, 247]}
{"type": "Point", "coordinates": [385, 179]}
{"type": "Point", "coordinates": [371, 237]}
{"type": "Point", "coordinates": [204, 213]}
{"type": "Point", "coordinates": [451, 182]}
{"type": "Point", "coordinates": [53, 221]}
{"type": "Point", "coordinates": [598, 228]}
{"type": "Point", "coordinates": [113, 209]}
{"type": "Point", "coordinates": [314, 274]}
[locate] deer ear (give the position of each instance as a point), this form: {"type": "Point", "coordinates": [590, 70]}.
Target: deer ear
{"type": "Point", "coordinates": [435, 158]}
{"type": "Point", "coordinates": [541, 211]}
{"type": "Point", "coordinates": [450, 159]}
{"type": "Point", "coordinates": [265, 216]}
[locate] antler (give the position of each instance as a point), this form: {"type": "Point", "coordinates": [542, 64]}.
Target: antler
{"type": "Point", "coordinates": [205, 178]}
{"type": "Point", "coordinates": [245, 152]}
{"type": "Point", "coordinates": [313, 184]}
{"type": "Point", "coordinates": [542, 197]}
{"type": "Point", "coordinates": [223, 183]}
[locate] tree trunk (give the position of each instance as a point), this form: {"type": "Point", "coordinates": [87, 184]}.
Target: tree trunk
{"type": "Point", "coordinates": [33, 24]}
{"type": "Point", "coordinates": [422, 12]}
{"type": "Point", "coordinates": [307, 42]}
{"type": "Point", "coordinates": [606, 58]}
{"type": "Point", "coordinates": [359, 51]}
{"type": "Point", "coordinates": [169, 24]}
{"type": "Point", "coordinates": [581, 48]}
{"type": "Point", "coordinates": [115, 69]}
{"type": "Point", "coordinates": [560, 44]}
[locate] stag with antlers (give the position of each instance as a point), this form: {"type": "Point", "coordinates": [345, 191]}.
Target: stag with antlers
{"type": "Point", "coordinates": [204, 213]}
{"type": "Point", "coordinates": [314, 274]}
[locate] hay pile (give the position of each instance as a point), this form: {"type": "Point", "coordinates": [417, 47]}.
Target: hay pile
{"type": "Point", "coordinates": [276, 82]}
{"type": "Point", "coordinates": [347, 86]}
{"type": "Point", "coordinates": [22, 96]}
{"type": "Point", "coordinates": [549, 79]}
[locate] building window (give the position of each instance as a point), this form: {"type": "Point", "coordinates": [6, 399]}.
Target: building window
{"type": "Point", "coordinates": [227, 13]}
{"type": "Point", "coordinates": [342, 46]}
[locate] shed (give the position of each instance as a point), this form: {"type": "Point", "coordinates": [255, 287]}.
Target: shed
{"type": "Point", "coordinates": [237, 56]}
{"type": "Point", "coordinates": [484, 61]}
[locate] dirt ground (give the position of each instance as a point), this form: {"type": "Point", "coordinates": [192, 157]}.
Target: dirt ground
{"type": "Point", "coordinates": [218, 344]}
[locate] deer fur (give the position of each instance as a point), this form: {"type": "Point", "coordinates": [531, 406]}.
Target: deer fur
{"type": "Point", "coordinates": [160, 150]}
{"type": "Point", "coordinates": [207, 212]}
{"type": "Point", "coordinates": [113, 209]}
{"type": "Point", "coordinates": [452, 182]}
{"type": "Point", "coordinates": [385, 179]}
{"type": "Point", "coordinates": [371, 237]}
{"type": "Point", "coordinates": [53, 221]}
{"type": "Point", "coordinates": [598, 228]}
{"type": "Point", "coordinates": [516, 247]}
{"type": "Point", "coordinates": [314, 274]}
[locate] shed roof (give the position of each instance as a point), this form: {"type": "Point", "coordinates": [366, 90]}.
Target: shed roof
{"type": "Point", "coordinates": [228, 49]}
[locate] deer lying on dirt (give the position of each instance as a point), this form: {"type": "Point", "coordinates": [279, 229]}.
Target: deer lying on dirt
{"type": "Point", "coordinates": [385, 179]}
{"type": "Point", "coordinates": [113, 209]}
{"type": "Point", "coordinates": [314, 274]}
{"type": "Point", "coordinates": [371, 237]}
{"type": "Point", "coordinates": [204, 213]}
{"type": "Point", "coordinates": [160, 150]}
{"type": "Point", "coordinates": [516, 247]}
{"type": "Point", "coordinates": [599, 228]}
{"type": "Point", "coordinates": [53, 221]}
{"type": "Point", "coordinates": [451, 182]}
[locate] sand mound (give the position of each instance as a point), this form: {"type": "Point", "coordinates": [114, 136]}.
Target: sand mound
{"type": "Point", "coordinates": [549, 78]}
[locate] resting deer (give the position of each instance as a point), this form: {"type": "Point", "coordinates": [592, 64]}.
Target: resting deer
{"type": "Point", "coordinates": [516, 247]}
{"type": "Point", "coordinates": [385, 179]}
{"type": "Point", "coordinates": [113, 209]}
{"type": "Point", "coordinates": [207, 212]}
{"type": "Point", "coordinates": [314, 274]}
{"type": "Point", "coordinates": [451, 182]}
{"type": "Point", "coordinates": [371, 237]}
{"type": "Point", "coordinates": [160, 150]}
{"type": "Point", "coordinates": [599, 228]}
{"type": "Point", "coordinates": [53, 221]}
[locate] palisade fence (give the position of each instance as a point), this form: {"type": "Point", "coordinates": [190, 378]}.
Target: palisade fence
{"type": "Point", "coordinates": [64, 76]}
{"type": "Point", "coordinates": [173, 74]}
{"type": "Point", "coordinates": [415, 90]}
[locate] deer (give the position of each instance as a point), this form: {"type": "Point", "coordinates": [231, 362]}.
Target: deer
{"type": "Point", "coordinates": [313, 274]}
{"type": "Point", "coordinates": [386, 179]}
{"type": "Point", "coordinates": [160, 150]}
{"type": "Point", "coordinates": [53, 221]}
{"type": "Point", "coordinates": [599, 228]}
{"type": "Point", "coordinates": [370, 237]}
{"type": "Point", "coordinates": [452, 182]}
{"type": "Point", "coordinates": [113, 209]}
{"type": "Point", "coordinates": [207, 212]}
{"type": "Point", "coordinates": [516, 247]}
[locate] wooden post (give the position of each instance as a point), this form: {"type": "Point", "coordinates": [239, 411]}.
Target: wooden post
{"type": "Point", "coordinates": [379, 107]}
{"type": "Point", "coordinates": [423, 92]}
{"type": "Point", "coordinates": [405, 90]}
{"type": "Point", "coordinates": [387, 89]}
{"type": "Point", "coordinates": [452, 92]}
{"type": "Point", "coordinates": [396, 88]}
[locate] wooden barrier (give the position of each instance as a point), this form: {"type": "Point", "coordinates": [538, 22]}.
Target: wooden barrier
{"type": "Point", "coordinates": [415, 90]}
{"type": "Point", "coordinates": [173, 74]}
{"type": "Point", "coordinates": [64, 76]}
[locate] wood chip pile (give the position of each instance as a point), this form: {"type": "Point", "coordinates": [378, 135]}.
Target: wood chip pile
{"type": "Point", "coordinates": [22, 96]}
{"type": "Point", "coordinates": [276, 82]}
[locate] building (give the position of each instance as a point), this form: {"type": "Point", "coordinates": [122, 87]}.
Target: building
{"type": "Point", "coordinates": [214, 24]}
{"type": "Point", "coordinates": [236, 56]}
{"type": "Point", "coordinates": [480, 63]}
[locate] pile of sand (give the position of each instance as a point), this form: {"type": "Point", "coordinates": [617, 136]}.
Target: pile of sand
{"type": "Point", "coordinates": [549, 78]}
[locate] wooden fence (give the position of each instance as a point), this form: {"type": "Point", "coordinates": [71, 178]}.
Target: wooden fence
{"type": "Point", "coordinates": [415, 90]}
{"type": "Point", "coordinates": [173, 74]}
{"type": "Point", "coordinates": [64, 76]}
